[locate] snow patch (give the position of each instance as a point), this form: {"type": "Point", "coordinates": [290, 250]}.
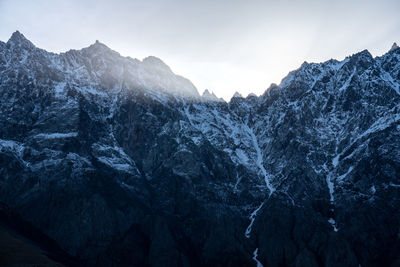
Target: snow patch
{"type": "Point", "coordinates": [341, 177]}
{"type": "Point", "coordinates": [347, 82]}
{"type": "Point", "coordinates": [333, 223]}
{"type": "Point", "coordinates": [335, 160]}
{"type": "Point", "coordinates": [56, 135]}
{"type": "Point", "coordinates": [196, 140]}
{"type": "Point", "coordinates": [331, 188]}
{"type": "Point", "coordinates": [373, 189]}
{"type": "Point", "coordinates": [114, 157]}
{"type": "Point", "coordinates": [242, 156]}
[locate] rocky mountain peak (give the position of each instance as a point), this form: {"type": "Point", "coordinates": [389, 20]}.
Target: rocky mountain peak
{"type": "Point", "coordinates": [237, 95]}
{"type": "Point", "coordinates": [100, 48]}
{"type": "Point", "coordinates": [18, 39]}
{"type": "Point", "coordinates": [17, 36]}
{"type": "Point", "coordinates": [101, 67]}
{"type": "Point", "coordinates": [394, 47]}
{"type": "Point", "coordinates": [210, 96]}
{"type": "Point", "coordinates": [98, 44]}
{"type": "Point", "coordinates": [365, 54]}
{"type": "Point", "coordinates": [207, 94]}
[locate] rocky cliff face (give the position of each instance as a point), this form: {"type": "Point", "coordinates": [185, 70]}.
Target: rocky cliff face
{"type": "Point", "coordinates": [121, 162]}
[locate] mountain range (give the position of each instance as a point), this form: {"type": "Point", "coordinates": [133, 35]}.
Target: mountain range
{"type": "Point", "coordinates": [120, 162]}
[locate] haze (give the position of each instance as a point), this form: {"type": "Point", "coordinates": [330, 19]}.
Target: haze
{"type": "Point", "coordinates": [223, 46]}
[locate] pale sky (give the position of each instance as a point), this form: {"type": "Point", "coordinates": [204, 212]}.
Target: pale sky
{"type": "Point", "coordinates": [220, 45]}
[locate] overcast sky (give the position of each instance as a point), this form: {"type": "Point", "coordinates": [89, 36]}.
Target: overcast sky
{"type": "Point", "coordinates": [222, 45]}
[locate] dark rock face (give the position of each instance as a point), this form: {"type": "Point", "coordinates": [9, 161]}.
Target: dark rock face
{"type": "Point", "coordinates": [121, 162]}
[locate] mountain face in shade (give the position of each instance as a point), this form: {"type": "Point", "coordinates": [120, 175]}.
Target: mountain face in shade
{"type": "Point", "coordinates": [122, 163]}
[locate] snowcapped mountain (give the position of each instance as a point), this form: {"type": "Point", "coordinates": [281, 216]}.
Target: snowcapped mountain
{"type": "Point", "coordinates": [122, 162]}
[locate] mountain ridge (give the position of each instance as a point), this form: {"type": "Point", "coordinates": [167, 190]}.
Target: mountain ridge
{"type": "Point", "coordinates": [112, 161]}
{"type": "Point", "coordinates": [20, 38]}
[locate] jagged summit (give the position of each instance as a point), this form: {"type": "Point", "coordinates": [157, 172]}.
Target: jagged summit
{"type": "Point", "coordinates": [97, 43]}
{"type": "Point", "coordinates": [155, 64]}
{"type": "Point", "coordinates": [394, 47]}
{"type": "Point", "coordinates": [207, 93]}
{"type": "Point", "coordinates": [237, 95]}
{"type": "Point", "coordinates": [101, 67]}
{"type": "Point", "coordinates": [207, 96]}
{"type": "Point", "coordinates": [17, 36]}
{"type": "Point", "coordinates": [19, 39]}
{"type": "Point", "coordinates": [363, 55]}
{"type": "Point", "coordinates": [100, 48]}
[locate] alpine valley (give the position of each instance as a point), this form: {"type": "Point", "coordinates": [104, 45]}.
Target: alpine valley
{"type": "Point", "coordinates": [111, 161]}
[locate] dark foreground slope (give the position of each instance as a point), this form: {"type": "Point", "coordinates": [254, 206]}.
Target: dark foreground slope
{"type": "Point", "coordinates": [121, 162]}
{"type": "Point", "coordinates": [22, 244]}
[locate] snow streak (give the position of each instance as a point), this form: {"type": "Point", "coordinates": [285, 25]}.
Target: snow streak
{"type": "Point", "coordinates": [259, 160]}
{"type": "Point", "coordinates": [255, 254]}
{"type": "Point", "coordinates": [252, 219]}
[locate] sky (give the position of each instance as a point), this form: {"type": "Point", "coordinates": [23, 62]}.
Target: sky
{"type": "Point", "coordinates": [220, 45]}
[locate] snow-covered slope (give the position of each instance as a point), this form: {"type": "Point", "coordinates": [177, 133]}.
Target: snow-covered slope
{"type": "Point", "coordinates": [122, 162]}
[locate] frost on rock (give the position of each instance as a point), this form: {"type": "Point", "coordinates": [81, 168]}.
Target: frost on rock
{"type": "Point", "coordinates": [114, 157]}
